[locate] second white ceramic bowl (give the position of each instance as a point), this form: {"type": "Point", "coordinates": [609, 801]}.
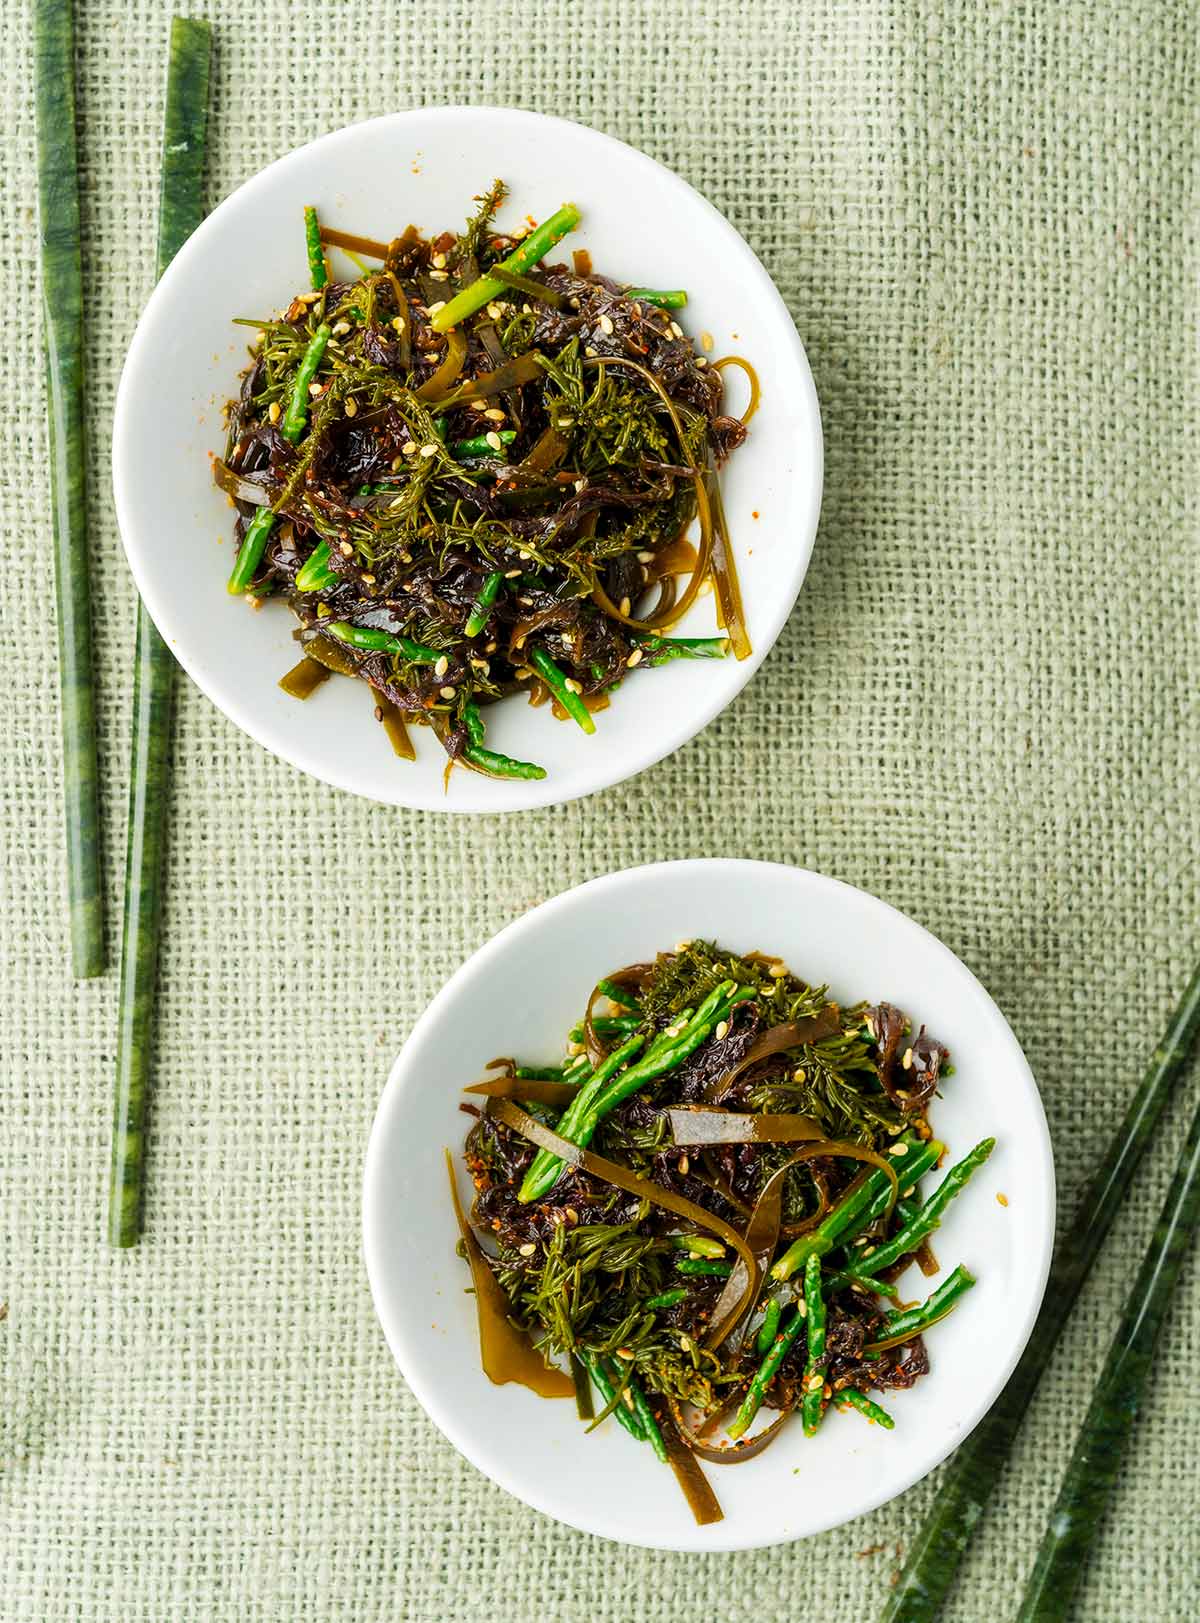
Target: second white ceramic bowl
{"type": "Point", "coordinates": [641, 223]}
{"type": "Point", "coordinates": [519, 995]}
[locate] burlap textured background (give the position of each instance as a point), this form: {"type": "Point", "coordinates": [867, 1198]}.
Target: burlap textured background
{"type": "Point", "coordinates": [984, 220]}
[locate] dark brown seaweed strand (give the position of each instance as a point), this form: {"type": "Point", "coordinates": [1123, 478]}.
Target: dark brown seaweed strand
{"type": "Point", "coordinates": [1100, 1448]}
{"type": "Point", "coordinates": [180, 212]}
{"type": "Point", "coordinates": [976, 1468]}
{"type": "Point", "coordinates": [62, 308]}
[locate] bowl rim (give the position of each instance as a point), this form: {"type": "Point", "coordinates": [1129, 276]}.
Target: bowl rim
{"type": "Point", "coordinates": [668, 732]}
{"type": "Point", "coordinates": [401, 1080]}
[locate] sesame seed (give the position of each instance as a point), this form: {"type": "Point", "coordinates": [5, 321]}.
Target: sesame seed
{"type": "Point", "coordinates": [398, 323]}
{"type": "Point", "coordinates": [341, 327]}
{"type": "Point", "coordinates": [565, 422]}
{"type": "Point", "coordinates": [351, 407]}
{"type": "Point", "coordinates": [706, 340]}
{"type": "Point", "coordinates": [870, 1251]}
{"type": "Point", "coordinates": [522, 552]}
{"type": "Point", "coordinates": [524, 597]}
{"type": "Point", "coordinates": [315, 389]}
{"type": "Point", "coordinates": [438, 304]}
{"type": "Point", "coordinates": [907, 1060]}
{"type": "Point", "coordinates": [676, 330]}
{"type": "Point", "coordinates": [490, 648]}
{"type": "Point", "coordinates": [624, 606]}
{"type": "Point", "coordinates": [645, 557]}
{"type": "Point", "coordinates": [429, 450]}
{"type": "Point", "coordinates": [574, 1048]}
{"type": "Point", "coordinates": [634, 658]}
{"type": "Point", "coordinates": [606, 325]}
{"type": "Point", "coordinates": [590, 352]}
{"type": "Point", "coordinates": [409, 448]}
{"type": "Point", "coordinates": [907, 1192]}
{"type": "Point", "coordinates": [862, 1240]}
{"type": "Point", "coordinates": [481, 665]}
{"type": "Point", "coordinates": [493, 439]}
{"type": "Point", "coordinates": [685, 1343]}
{"type": "Point", "coordinates": [580, 484]}
{"type": "Point", "coordinates": [448, 692]}
{"type": "Point", "coordinates": [700, 361]}
{"type": "Point", "coordinates": [571, 685]}
{"type": "Point", "coordinates": [273, 411]}
{"type": "Point", "coordinates": [722, 1030]}
{"type": "Point", "coordinates": [438, 276]}
{"type": "Point", "coordinates": [494, 311]}
{"type": "Point", "coordinates": [494, 414]}
{"type": "Point", "coordinates": [368, 580]}
{"type": "Point", "coordinates": [682, 946]}
{"type": "Point", "coordinates": [442, 666]}
{"type": "Point", "coordinates": [528, 1249]}
{"type": "Point", "coordinates": [684, 1166]}
{"type": "Point", "coordinates": [308, 298]}
{"type": "Point", "coordinates": [705, 587]}
{"type": "Point", "coordinates": [815, 1383]}
{"type": "Point", "coordinates": [778, 969]}
{"type": "Point", "coordinates": [1002, 1198]}
{"type": "Point", "coordinates": [798, 1074]}
{"type": "Point", "coordinates": [514, 574]}
{"type": "Point", "coordinates": [801, 1307]}
{"type": "Point", "coordinates": [438, 261]}
{"type": "Point", "coordinates": [898, 1149]}
{"type": "Point", "coordinates": [346, 549]}
{"type": "Point", "coordinates": [323, 611]}
{"type": "Point", "coordinates": [397, 463]}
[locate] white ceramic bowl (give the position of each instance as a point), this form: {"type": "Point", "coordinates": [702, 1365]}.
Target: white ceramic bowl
{"type": "Point", "coordinates": [519, 994]}
{"type": "Point", "coordinates": [248, 258]}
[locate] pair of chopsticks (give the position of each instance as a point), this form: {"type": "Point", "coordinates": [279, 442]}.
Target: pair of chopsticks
{"type": "Point", "coordinates": [1095, 1464]}
{"type": "Point", "coordinates": [180, 212]}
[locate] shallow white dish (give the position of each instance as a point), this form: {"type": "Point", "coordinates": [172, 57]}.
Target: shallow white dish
{"type": "Point", "coordinates": [518, 995]}
{"type": "Point", "coordinates": [248, 258]}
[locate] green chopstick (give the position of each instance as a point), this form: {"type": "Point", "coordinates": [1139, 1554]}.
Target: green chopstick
{"type": "Point", "coordinates": [62, 307]}
{"type": "Point", "coordinates": [180, 210]}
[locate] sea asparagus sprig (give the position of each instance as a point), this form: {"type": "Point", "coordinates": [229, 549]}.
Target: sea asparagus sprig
{"type": "Point", "coordinates": [318, 270]}
{"type": "Point", "coordinates": [560, 685]}
{"type": "Point", "coordinates": [919, 1227]}
{"type": "Point", "coordinates": [865, 1406]}
{"type": "Point", "coordinates": [524, 257]}
{"type": "Point", "coordinates": [765, 1374]}
{"type": "Point", "coordinates": [295, 418]}
{"type": "Point", "coordinates": [478, 755]}
{"type": "Point", "coordinates": [911, 1321]}
{"type": "Point", "coordinates": [665, 298]}
{"type": "Point", "coordinates": [812, 1405]}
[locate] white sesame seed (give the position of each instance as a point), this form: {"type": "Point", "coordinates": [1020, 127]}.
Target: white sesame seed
{"type": "Point", "coordinates": [513, 574]}
{"type": "Point", "coordinates": [685, 1343]}
{"type": "Point", "coordinates": [801, 1307]}
{"type": "Point", "coordinates": [898, 1149]}
{"type": "Point", "coordinates": [706, 340]}
{"type": "Point", "coordinates": [571, 685]}
{"type": "Point", "coordinates": [905, 1193]}
{"type": "Point", "coordinates": [684, 1166]}
{"type": "Point", "coordinates": [397, 463]}
{"type": "Point", "coordinates": [494, 414]}
{"type": "Point", "coordinates": [341, 327]}
{"type": "Point", "coordinates": [815, 1383]}
{"type": "Point", "coordinates": [778, 969]}
{"type": "Point", "coordinates": [590, 352]}
{"type": "Point", "coordinates": [429, 450]}
{"type": "Point", "coordinates": [700, 361]}
{"type": "Point", "coordinates": [870, 1251]}
{"type": "Point", "coordinates": [605, 325]}
{"type": "Point", "coordinates": [580, 484]}
{"type": "Point", "coordinates": [448, 692]}
{"type": "Point", "coordinates": [634, 658]}
{"type": "Point", "coordinates": [624, 606]}
{"type": "Point", "coordinates": [438, 261]}
{"type": "Point", "coordinates": [351, 407]}
{"type": "Point", "coordinates": [368, 580]}
{"type": "Point", "coordinates": [439, 304]}
{"type": "Point", "coordinates": [409, 448]}
{"type": "Point", "coordinates": [398, 323]}
{"type": "Point", "coordinates": [907, 1060]}
{"type": "Point", "coordinates": [442, 666]}
{"type": "Point", "coordinates": [798, 1074]}
{"type": "Point", "coordinates": [676, 330]}
{"type": "Point", "coordinates": [682, 946]}
{"type": "Point", "coordinates": [494, 311]}
{"type": "Point", "coordinates": [523, 553]}
{"type": "Point", "coordinates": [722, 1030]}
{"type": "Point", "coordinates": [481, 665]}
{"type": "Point", "coordinates": [862, 1240]}
{"type": "Point", "coordinates": [528, 1249]}
{"type": "Point", "coordinates": [573, 302]}
{"type": "Point", "coordinates": [273, 411]}
{"type": "Point", "coordinates": [494, 440]}
{"type": "Point", "coordinates": [438, 276]}
{"type": "Point", "coordinates": [346, 549]}
{"type": "Point", "coordinates": [315, 389]}
{"type": "Point", "coordinates": [645, 557]}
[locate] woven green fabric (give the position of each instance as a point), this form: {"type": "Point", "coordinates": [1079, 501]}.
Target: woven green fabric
{"type": "Point", "coordinates": [983, 709]}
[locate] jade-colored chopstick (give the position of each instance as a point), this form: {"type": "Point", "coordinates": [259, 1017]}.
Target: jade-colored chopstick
{"type": "Point", "coordinates": [62, 306]}
{"type": "Point", "coordinates": [976, 1467]}
{"type": "Point", "coordinates": [180, 210]}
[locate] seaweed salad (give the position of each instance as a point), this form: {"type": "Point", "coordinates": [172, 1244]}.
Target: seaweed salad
{"type": "Point", "coordinates": [470, 475]}
{"type": "Point", "coordinates": [703, 1212]}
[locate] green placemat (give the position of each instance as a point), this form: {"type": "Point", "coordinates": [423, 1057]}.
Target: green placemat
{"type": "Point", "coordinates": [983, 709]}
